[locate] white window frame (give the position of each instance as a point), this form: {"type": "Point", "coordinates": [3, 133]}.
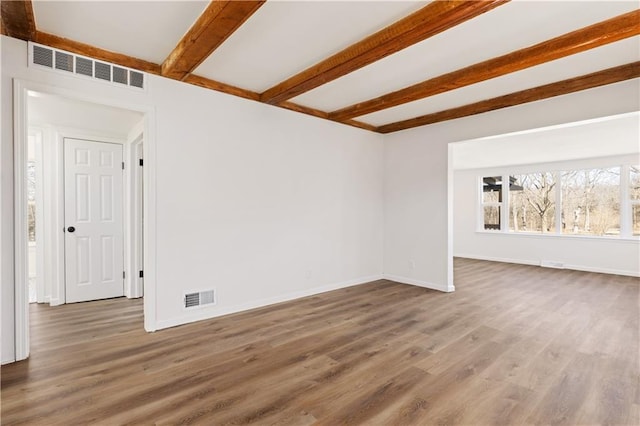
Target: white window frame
{"type": "Point", "coordinates": [626, 203]}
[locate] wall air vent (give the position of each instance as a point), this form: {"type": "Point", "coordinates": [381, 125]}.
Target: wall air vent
{"type": "Point", "coordinates": [64, 61]}
{"type": "Point", "coordinates": [42, 56]}
{"type": "Point", "coordinates": [72, 64]}
{"type": "Point", "coordinates": [120, 75]}
{"type": "Point", "coordinates": [103, 71]}
{"type": "Point", "coordinates": [136, 79]}
{"type": "Point", "coordinates": [84, 66]}
{"type": "Point", "coordinates": [200, 298]}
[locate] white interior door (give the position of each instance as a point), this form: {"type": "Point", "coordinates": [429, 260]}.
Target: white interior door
{"type": "Point", "coordinates": [93, 220]}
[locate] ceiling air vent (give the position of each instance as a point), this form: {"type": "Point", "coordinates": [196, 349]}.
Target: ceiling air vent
{"type": "Point", "coordinates": [71, 64]}
{"type": "Point", "coordinates": [200, 298]}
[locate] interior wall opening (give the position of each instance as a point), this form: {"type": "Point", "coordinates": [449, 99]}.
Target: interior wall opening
{"type": "Point", "coordinates": [58, 131]}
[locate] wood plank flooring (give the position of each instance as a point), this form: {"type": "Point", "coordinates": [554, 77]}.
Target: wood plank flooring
{"type": "Point", "coordinates": [514, 344]}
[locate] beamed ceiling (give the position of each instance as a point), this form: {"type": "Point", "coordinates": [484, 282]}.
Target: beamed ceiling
{"type": "Point", "coordinates": [382, 65]}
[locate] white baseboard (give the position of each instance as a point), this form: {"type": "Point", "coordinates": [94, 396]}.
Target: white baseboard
{"type": "Point", "coordinates": [8, 361]}
{"type": "Point", "coordinates": [213, 312]}
{"type": "Point", "coordinates": [499, 259]}
{"type": "Point", "coordinates": [55, 302]}
{"type": "Point", "coordinates": [419, 283]}
{"type": "Point", "coordinates": [565, 266]}
{"type": "Point", "coordinates": [603, 270]}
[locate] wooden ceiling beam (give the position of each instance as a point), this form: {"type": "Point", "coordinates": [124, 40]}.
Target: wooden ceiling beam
{"type": "Point", "coordinates": [152, 68]}
{"type": "Point", "coordinates": [207, 83]}
{"type": "Point", "coordinates": [304, 110]}
{"type": "Point", "coordinates": [17, 19]}
{"type": "Point", "coordinates": [602, 33]}
{"type": "Point", "coordinates": [436, 17]}
{"type": "Point", "coordinates": [360, 125]}
{"type": "Point", "coordinates": [95, 52]}
{"type": "Point", "coordinates": [576, 84]}
{"type": "Point", "coordinates": [139, 64]}
{"type": "Point", "coordinates": [220, 19]}
{"type": "Point", "coordinates": [254, 96]}
{"type": "Point", "coordinates": [324, 115]}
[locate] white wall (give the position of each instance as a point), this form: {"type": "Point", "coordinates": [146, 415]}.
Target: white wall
{"type": "Point", "coordinates": [44, 109]}
{"type": "Point", "coordinates": [607, 255]}
{"type": "Point", "coordinates": [416, 224]}
{"type": "Point", "coordinates": [417, 181]}
{"type": "Point", "coordinates": [261, 203]}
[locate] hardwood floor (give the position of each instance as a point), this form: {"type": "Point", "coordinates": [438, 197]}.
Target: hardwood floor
{"type": "Point", "coordinates": [514, 344]}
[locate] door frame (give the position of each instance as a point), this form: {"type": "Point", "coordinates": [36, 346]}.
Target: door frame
{"type": "Point", "coordinates": [20, 140]}
{"type": "Point", "coordinates": [134, 219]}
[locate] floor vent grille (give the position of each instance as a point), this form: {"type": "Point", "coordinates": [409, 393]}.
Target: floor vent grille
{"type": "Point", "coordinates": [71, 64]}
{"type": "Point", "coordinates": [200, 298]}
{"type": "Point", "coordinates": [551, 264]}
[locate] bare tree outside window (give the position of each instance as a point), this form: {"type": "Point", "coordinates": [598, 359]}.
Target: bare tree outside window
{"type": "Point", "coordinates": [591, 201]}
{"type": "Point", "coordinates": [532, 205]}
{"type": "Point", "coordinates": [492, 217]}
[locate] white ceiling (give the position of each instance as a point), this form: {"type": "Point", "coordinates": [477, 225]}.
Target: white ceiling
{"type": "Point", "coordinates": [48, 109]}
{"type": "Point", "coordinates": [593, 60]}
{"type": "Point", "coordinates": [510, 27]}
{"type": "Point", "coordinates": [283, 38]}
{"type": "Point", "coordinates": [147, 30]}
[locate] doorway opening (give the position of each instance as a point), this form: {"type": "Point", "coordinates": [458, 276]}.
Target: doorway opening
{"type": "Point", "coordinates": [79, 203]}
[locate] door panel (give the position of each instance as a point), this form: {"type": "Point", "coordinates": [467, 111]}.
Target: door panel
{"type": "Point", "coordinates": [93, 206]}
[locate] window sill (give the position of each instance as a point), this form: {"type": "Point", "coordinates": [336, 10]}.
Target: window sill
{"type": "Point", "coordinates": [633, 239]}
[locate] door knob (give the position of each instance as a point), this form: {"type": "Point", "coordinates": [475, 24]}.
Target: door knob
{"type": "Point", "coordinates": [71, 229]}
